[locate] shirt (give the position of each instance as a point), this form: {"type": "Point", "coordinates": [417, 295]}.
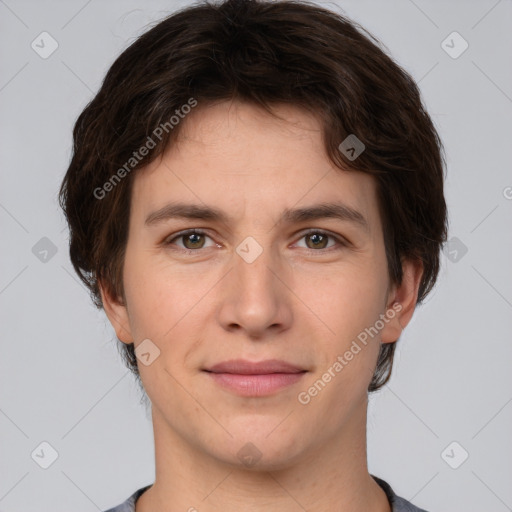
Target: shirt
{"type": "Point", "coordinates": [397, 504]}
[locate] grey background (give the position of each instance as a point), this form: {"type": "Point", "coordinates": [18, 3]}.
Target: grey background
{"type": "Point", "coordinates": [61, 380]}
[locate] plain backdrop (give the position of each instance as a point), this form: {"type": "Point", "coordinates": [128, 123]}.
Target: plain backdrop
{"type": "Point", "coordinates": [61, 378]}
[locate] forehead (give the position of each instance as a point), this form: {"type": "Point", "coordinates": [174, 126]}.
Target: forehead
{"type": "Point", "coordinates": [241, 158]}
{"type": "Point", "coordinates": [230, 119]}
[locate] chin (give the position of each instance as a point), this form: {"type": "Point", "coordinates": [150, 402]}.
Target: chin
{"type": "Point", "coordinates": [263, 449]}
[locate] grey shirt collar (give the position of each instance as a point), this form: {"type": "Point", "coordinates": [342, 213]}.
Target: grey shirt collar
{"type": "Point", "coordinates": [397, 504]}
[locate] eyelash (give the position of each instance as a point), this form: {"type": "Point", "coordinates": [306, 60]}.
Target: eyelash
{"type": "Point", "coordinates": [341, 242]}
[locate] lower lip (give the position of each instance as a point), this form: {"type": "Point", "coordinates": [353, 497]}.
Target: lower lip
{"type": "Point", "coordinates": [256, 385]}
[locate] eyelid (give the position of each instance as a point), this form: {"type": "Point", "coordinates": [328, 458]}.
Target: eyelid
{"type": "Point", "coordinates": [342, 241]}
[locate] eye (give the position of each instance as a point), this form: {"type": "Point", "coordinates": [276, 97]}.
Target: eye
{"type": "Point", "coordinates": [317, 239]}
{"type": "Point", "coordinates": [193, 239]}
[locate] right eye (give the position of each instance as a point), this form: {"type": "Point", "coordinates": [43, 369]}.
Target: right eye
{"type": "Point", "coordinates": [193, 240]}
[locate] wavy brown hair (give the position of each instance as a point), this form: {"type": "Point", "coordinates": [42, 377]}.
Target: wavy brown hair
{"type": "Point", "coordinates": [264, 53]}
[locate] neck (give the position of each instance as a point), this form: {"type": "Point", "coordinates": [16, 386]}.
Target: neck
{"type": "Point", "coordinates": [332, 476]}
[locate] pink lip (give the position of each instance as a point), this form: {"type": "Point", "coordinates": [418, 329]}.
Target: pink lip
{"type": "Point", "coordinates": [255, 379]}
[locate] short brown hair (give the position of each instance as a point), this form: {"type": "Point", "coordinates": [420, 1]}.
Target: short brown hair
{"type": "Point", "coordinates": [263, 53]}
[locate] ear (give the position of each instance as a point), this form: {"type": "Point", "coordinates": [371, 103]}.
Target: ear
{"type": "Point", "coordinates": [402, 301]}
{"type": "Point", "coordinates": [117, 314]}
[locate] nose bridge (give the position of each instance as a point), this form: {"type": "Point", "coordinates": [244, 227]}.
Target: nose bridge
{"type": "Point", "coordinates": [254, 298]}
{"type": "Point", "coordinates": [254, 266]}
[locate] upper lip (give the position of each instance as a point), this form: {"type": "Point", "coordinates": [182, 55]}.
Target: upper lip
{"type": "Point", "coordinates": [244, 367]}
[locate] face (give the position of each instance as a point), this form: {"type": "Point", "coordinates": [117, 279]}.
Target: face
{"type": "Point", "coordinates": [257, 283]}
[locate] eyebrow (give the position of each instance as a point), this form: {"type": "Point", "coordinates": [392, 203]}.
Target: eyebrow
{"type": "Point", "coordinates": [290, 216]}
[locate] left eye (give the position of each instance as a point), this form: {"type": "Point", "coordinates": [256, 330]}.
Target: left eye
{"type": "Point", "coordinates": [318, 239]}
{"type": "Point", "coordinates": [195, 239]}
{"type": "Point", "coordinates": [190, 237]}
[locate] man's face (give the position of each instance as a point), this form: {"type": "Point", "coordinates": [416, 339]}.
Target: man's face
{"type": "Point", "coordinates": [255, 287]}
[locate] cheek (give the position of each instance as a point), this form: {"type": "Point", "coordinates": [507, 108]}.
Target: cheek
{"type": "Point", "coordinates": [167, 305]}
{"type": "Point", "coordinates": [152, 296]}
{"type": "Point", "coordinates": [350, 305]}
{"type": "Point", "coordinates": [348, 300]}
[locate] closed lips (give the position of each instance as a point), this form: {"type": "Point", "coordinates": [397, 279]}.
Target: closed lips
{"type": "Point", "coordinates": [244, 367]}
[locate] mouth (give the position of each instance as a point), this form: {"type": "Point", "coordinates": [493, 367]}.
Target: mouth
{"type": "Point", "coordinates": [249, 379]}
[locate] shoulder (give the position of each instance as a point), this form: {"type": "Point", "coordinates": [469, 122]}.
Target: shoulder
{"type": "Point", "coordinates": [129, 504]}
{"type": "Point", "coordinates": [397, 504]}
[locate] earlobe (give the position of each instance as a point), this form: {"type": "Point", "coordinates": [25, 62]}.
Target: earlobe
{"type": "Point", "coordinates": [117, 314]}
{"type": "Point", "coordinates": [402, 301]}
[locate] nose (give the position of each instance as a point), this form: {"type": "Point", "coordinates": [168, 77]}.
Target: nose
{"type": "Point", "coordinates": [256, 298]}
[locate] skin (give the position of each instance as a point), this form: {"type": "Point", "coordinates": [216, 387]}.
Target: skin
{"type": "Point", "coordinates": [300, 301]}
